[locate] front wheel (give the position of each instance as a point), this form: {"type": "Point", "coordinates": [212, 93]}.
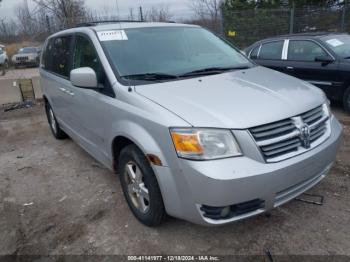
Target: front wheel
{"type": "Point", "coordinates": [140, 187]}
{"type": "Point", "coordinates": [346, 100]}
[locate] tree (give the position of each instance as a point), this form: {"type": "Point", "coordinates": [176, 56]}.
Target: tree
{"type": "Point", "coordinates": [160, 13]}
{"type": "Point", "coordinates": [207, 9]}
{"type": "Point", "coordinates": [208, 14]}
{"type": "Point", "coordinates": [66, 12]}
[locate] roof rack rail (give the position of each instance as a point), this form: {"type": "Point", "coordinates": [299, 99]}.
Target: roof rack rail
{"type": "Point", "coordinates": [94, 23]}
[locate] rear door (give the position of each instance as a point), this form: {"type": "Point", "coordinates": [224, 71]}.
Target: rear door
{"type": "Point", "coordinates": [269, 54]}
{"type": "Point", "coordinates": [301, 63]}
{"type": "Point", "coordinates": [55, 69]}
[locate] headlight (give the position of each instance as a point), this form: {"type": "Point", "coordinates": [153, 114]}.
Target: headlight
{"type": "Point", "coordinates": [204, 143]}
{"type": "Point", "coordinates": [327, 108]}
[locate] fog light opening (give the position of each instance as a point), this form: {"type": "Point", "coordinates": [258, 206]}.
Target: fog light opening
{"type": "Point", "coordinates": [225, 212]}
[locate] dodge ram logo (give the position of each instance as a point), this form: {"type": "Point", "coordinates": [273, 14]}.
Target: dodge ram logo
{"type": "Point", "coordinates": [305, 135]}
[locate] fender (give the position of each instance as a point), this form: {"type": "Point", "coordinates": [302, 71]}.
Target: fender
{"type": "Point", "coordinates": [139, 136]}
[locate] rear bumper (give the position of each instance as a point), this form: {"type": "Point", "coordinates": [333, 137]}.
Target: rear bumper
{"type": "Point", "coordinates": [236, 180]}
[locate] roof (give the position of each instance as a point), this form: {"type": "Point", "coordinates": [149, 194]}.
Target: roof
{"type": "Point", "coordinates": [123, 24]}
{"type": "Point", "coordinates": [128, 25]}
{"type": "Point", "coordinates": [117, 25]}
{"type": "Point", "coordinates": [303, 35]}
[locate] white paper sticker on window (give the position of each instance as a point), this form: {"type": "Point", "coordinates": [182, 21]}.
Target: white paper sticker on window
{"type": "Point", "coordinates": [112, 35]}
{"type": "Point", "coordinates": [334, 42]}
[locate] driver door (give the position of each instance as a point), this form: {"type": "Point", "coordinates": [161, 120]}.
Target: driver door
{"type": "Point", "coordinates": [90, 108]}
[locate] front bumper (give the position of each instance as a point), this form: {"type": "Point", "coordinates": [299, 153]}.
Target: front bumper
{"type": "Point", "coordinates": [236, 180]}
{"type": "Point", "coordinates": [24, 62]}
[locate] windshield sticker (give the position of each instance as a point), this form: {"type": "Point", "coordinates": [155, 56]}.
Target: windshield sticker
{"type": "Point", "coordinates": [112, 35]}
{"type": "Point", "coordinates": [334, 42]}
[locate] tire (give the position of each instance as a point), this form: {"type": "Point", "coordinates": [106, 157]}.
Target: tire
{"type": "Point", "coordinates": [4, 68]}
{"type": "Point", "coordinates": [56, 130]}
{"type": "Point", "coordinates": [346, 100]}
{"type": "Point", "coordinates": [140, 187]}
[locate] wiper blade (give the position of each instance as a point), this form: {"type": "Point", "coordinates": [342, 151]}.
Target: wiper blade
{"type": "Point", "coordinates": [150, 76]}
{"type": "Point", "coordinates": [213, 70]}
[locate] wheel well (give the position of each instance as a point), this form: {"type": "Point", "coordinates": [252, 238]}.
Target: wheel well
{"type": "Point", "coordinates": [46, 100]}
{"type": "Point", "coordinates": [117, 146]}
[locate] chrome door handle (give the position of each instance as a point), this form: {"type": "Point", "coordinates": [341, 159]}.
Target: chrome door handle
{"type": "Point", "coordinates": [70, 93]}
{"type": "Point", "coordinates": [290, 68]}
{"type": "Point", "coordinates": [63, 89]}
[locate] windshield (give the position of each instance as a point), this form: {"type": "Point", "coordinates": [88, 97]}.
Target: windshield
{"type": "Point", "coordinates": [27, 50]}
{"type": "Point", "coordinates": [340, 44]}
{"type": "Point", "coordinates": [171, 51]}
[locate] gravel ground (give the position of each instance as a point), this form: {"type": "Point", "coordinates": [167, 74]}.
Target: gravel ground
{"type": "Point", "coordinates": [56, 199]}
{"type": "Point", "coordinates": [21, 73]}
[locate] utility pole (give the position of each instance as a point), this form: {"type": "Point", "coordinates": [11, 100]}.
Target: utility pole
{"type": "Point", "coordinates": [291, 20]}
{"type": "Point", "coordinates": [141, 14]}
{"type": "Point", "coordinates": [343, 16]}
{"type": "Point", "coordinates": [48, 23]}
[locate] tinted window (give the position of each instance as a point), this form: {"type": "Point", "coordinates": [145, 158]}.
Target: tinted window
{"type": "Point", "coordinates": [58, 55]}
{"type": "Point", "coordinates": [300, 50]}
{"type": "Point", "coordinates": [272, 50]}
{"type": "Point", "coordinates": [85, 55]}
{"type": "Point", "coordinates": [254, 53]}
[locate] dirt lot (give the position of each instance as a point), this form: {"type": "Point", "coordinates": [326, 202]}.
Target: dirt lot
{"type": "Point", "coordinates": [56, 199]}
{"type": "Point", "coordinates": [21, 73]}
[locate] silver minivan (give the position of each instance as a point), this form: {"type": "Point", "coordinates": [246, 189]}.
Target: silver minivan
{"type": "Point", "coordinates": [194, 129]}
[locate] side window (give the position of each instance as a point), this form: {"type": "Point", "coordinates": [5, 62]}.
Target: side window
{"type": "Point", "coordinates": [254, 53]}
{"type": "Point", "coordinates": [43, 55]}
{"type": "Point", "coordinates": [58, 55]}
{"type": "Point", "coordinates": [47, 56]}
{"type": "Point", "coordinates": [85, 56]}
{"type": "Point", "coordinates": [272, 50]}
{"type": "Point", "coordinates": [303, 50]}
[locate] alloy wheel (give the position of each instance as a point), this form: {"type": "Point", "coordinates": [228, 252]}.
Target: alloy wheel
{"type": "Point", "coordinates": [136, 187]}
{"type": "Point", "coordinates": [52, 121]}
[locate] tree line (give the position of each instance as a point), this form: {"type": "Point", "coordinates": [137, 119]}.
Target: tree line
{"type": "Point", "coordinates": [220, 16]}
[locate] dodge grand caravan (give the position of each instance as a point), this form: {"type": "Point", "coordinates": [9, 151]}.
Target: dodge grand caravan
{"type": "Point", "coordinates": [194, 129]}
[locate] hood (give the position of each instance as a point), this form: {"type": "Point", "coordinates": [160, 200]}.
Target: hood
{"type": "Point", "coordinates": [239, 99]}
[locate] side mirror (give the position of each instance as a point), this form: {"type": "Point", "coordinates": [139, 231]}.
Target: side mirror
{"type": "Point", "coordinates": [84, 77]}
{"type": "Point", "coordinates": [324, 59]}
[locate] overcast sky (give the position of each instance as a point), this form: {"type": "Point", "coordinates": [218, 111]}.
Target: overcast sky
{"type": "Point", "coordinates": [178, 8]}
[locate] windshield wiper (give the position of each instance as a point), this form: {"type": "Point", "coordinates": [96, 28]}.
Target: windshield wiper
{"type": "Point", "coordinates": [213, 70]}
{"type": "Point", "coordinates": [150, 76]}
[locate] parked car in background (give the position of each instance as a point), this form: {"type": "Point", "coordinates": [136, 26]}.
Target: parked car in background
{"type": "Point", "coordinates": [3, 60]}
{"type": "Point", "coordinates": [26, 56]}
{"type": "Point", "coordinates": [193, 128]}
{"type": "Point", "coordinates": [322, 59]}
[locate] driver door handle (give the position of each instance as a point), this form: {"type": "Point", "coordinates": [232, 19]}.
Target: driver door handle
{"type": "Point", "coordinates": [290, 68]}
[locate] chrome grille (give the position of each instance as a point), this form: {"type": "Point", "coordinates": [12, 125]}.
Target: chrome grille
{"type": "Point", "coordinates": [22, 58]}
{"type": "Point", "coordinates": [289, 137]}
